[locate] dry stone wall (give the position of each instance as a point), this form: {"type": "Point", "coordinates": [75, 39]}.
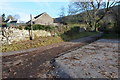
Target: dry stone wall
{"type": "Point", "coordinates": [21, 35]}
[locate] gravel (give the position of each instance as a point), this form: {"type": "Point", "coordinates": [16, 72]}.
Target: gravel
{"type": "Point", "coordinates": [96, 60]}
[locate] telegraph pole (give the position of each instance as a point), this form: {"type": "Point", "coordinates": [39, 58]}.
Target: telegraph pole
{"type": "Point", "coordinates": [31, 35]}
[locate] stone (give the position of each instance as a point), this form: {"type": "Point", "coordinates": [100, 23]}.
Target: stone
{"type": "Point", "coordinates": [82, 30]}
{"type": "Point", "coordinates": [96, 65]}
{"type": "Point", "coordinates": [23, 35]}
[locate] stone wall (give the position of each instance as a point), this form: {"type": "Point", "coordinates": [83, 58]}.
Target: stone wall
{"type": "Point", "coordinates": [21, 35]}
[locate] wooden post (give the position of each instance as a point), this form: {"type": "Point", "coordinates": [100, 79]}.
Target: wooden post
{"type": "Point", "coordinates": [31, 35]}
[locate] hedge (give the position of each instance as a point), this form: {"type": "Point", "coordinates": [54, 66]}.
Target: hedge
{"type": "Point", "coordinates": [40, 27]}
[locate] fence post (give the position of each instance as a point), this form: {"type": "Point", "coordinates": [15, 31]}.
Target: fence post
{"type": "Point", "coordinates": [31, 35]}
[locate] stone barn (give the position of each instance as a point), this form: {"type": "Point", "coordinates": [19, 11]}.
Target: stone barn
{"type": "Point", "coordinates": [43, 19]}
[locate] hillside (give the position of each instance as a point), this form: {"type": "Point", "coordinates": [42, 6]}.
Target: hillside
{"type": "Point", "coordinates": [78, 18]}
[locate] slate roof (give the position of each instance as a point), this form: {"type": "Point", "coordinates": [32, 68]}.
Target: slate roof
{"type": "Point", "coordinates": [39, 15]}
{"type": "Point", "coordinates": [13, 21]}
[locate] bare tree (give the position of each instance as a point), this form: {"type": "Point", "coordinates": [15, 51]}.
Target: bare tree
{"type": "Point", "coordinates": [16, 17]}
{"type": "Point", "coordinates": [62, 15]}
{"type": "Point", "coordinates": [6, 32]}
{"type": "Point", "coordinates": [71, 13]}
{"type": "Point", "coordinates": [10, 17]}
{"type": "Point", "coordinates": [91, 10]}
{"type": "Point", "coordinates": [115, 12]}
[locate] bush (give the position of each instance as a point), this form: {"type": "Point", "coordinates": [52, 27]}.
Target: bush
{"type": "Point", "coordinates": [103, 29]}
{"type": "Point", "coordinates": [88, 29]}
{"type": "Point", "coordinates": [106, 27]}
{"type": "Point", "coordinates": [27, 27]}
{"type": "Point", "coordinates": [40, 27]}
{"type": "Point", "coordinates": [110, 28]}
{"type": "Point", "coordinates": [20, 28]}
{"type": "Point", "coordinates": [116, 29]}
{"type": "Point", "coordinates": [73, 31]}
{"type": "Point", "coordinates": [49, 28]}
{"type": "Point", "coordinates": [4, 25]}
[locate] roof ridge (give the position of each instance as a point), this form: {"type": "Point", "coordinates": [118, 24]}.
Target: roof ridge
{"type": "Point", "coordinates": [40, 15]}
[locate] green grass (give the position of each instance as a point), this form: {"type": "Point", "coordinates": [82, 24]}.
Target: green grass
{"type": "Point", "coordinates": [72, 25]}
{"type": "Point", "coordinates": [111, 36]}
{"type": "Point", "coordinates": [77, 35]}
{"type": "Point", "coordinates": [43, 41]}
{"type": "Point", "coordinates": [31, 44]}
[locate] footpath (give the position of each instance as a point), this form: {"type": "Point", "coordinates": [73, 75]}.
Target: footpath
{"type": "Point", "coordinates": [99, 59]}
{"type": "Point", "coordinates": [35, 63]}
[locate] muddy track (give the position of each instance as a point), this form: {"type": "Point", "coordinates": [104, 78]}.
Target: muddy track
{"type": "Point", "coordinates": [34, 64]}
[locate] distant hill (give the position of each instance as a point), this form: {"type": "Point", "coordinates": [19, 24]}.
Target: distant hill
{"type": "Point", "coordinates": [78, 18]}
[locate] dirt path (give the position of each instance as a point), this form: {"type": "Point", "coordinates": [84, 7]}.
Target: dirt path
{"type": "Point", "coordinates": [42, 48]}
{"type": "Point", "coordinates": [96, 60]}
{"type": "Point", "coordinates": [35, 64]}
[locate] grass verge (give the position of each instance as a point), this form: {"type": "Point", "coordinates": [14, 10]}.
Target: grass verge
{"type": "Point", "coordinates": [43, 41]}
{"type": "Point", "coordinates": [111, 36]}
{"type": "Point", "coordinates": [76, 35]}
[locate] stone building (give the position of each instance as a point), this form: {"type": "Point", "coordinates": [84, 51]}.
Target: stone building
{"type": "Point", "coordinates": [43, 19]}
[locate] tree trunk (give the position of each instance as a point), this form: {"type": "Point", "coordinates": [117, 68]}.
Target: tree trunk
{"type": "Point", "coordinates": [94, 27]}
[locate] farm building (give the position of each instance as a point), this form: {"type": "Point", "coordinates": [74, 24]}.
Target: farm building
{"type": "Point", "coordinates": [43, 19]}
